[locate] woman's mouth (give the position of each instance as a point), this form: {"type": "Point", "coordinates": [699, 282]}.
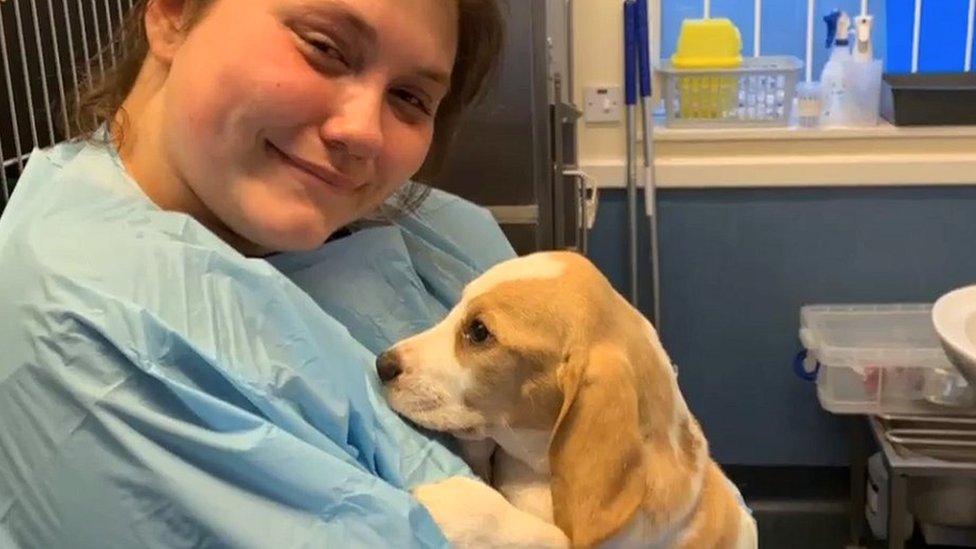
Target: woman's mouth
{"type": "Point", "coordinates": [316, 172]}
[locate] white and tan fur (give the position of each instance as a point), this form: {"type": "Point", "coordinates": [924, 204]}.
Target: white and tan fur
{"type": "Point", "coordinates": [574, 387]}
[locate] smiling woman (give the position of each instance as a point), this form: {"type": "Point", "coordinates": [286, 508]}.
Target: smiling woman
{"type": "Point", "coordinates": [161, 384]}
{"type": "Point", "coordinates": [345, 100]}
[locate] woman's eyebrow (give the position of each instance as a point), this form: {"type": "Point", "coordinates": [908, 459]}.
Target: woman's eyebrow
{"type": "Point", "coordinates": [337, 13]}
{"type": "Point", "coordinates": [435, 75]}
{"type": "Point", "coordinates": [364, 30]}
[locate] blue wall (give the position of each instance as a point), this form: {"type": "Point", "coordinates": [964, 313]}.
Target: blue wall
{"type": "Point", "coordinates": [942, 37]}
{"type": "Point", "coordinates": [738, 264]}
{"type": "Point", "coordinates": [941, 46]}
{"type": "Point", "coordinates": [784, 25]}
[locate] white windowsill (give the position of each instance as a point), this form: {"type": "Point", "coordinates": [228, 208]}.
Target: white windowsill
{"type": "Point", "coordinates": [795, 157]}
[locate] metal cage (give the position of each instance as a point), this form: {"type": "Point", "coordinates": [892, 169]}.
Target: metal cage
{"type": "Point", "coordinates": [45, 47]}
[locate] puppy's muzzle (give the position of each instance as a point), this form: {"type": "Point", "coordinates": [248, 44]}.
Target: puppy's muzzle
{"type": "Point", "coordinates": [388, 366]}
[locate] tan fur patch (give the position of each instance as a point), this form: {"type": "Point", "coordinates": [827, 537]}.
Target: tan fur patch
{"type": "Point", "coordinates": [716, 519]}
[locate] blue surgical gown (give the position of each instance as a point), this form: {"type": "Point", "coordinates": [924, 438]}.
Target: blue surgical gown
{"type": "Point", "coordinates": [159, 389]}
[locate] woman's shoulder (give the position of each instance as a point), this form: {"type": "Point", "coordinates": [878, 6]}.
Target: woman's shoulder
{"type": "Point", "coordinates": [78, 238]}
{"type": "Point", "coordinates": [459, 228]}
{"type": "Point", "coordinates": [75, 211]}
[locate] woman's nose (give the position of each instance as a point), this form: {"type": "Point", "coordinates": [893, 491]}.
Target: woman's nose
{"type": "Point", "coordinates": [355, 127]}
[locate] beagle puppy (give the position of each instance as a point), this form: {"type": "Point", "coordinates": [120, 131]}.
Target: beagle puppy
{"type": "Point", "coordinates": [543, 358]}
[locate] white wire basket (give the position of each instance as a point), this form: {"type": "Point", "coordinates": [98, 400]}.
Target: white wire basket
{"type": "Point", "coordinates": [757, 94]}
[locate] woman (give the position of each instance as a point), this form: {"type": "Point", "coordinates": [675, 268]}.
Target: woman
{"type": "Point", "coordinates": [163, 383]}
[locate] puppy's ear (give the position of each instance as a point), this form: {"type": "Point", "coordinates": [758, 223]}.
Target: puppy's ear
{"type": "Point", "coordinates": [597, 453]}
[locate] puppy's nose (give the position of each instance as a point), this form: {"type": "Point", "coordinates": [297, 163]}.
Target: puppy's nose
{"type": "Point", "coordinates": [388, 366]}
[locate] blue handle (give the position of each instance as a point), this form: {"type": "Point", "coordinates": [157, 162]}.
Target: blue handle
{"type": "Point", "coordinates": [799, 369]}
{"type": "Point", "coordinates": [831, 20]}
{"type": "Point", "coordinates": [630, 52]}
{"type": "Point", "coordinates": [643, 49]}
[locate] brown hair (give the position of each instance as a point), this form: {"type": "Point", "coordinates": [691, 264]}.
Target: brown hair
{"type": "Point", "coordinates": [480, 37]}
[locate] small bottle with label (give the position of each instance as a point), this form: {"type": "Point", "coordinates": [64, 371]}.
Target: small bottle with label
{"type": "Point", "coordinates": [808, 104]}
{"type": "Point", "coordinates": [834, 80]}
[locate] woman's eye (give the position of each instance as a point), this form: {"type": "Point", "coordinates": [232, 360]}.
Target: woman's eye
{"type": "Point", "coordinates": [413, 101]}
{"type": "Point", "coordinates": [329, 50]}
{"type": "Point", "coordinates": [477, 332]}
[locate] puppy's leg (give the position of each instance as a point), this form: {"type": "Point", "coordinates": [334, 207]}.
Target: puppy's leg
{"type": "Point", "coordinates": [472, 514]}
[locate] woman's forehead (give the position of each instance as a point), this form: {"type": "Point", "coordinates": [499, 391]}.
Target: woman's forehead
{"type": "Point", "coordinates": [375, 16]}
{"type": "Point", "coordinates": [424, 29]}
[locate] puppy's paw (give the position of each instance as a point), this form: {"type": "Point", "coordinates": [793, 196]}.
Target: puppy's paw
{"type": "Point", "coordinates": [472, 514]}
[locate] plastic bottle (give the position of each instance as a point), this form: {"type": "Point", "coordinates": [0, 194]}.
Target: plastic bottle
{"type": "Point", "coordinates": [864, 76]}
{"type": "Point", "coordinates": [834, 78]}
{"type": "Point", "coordinates": [808, 104]}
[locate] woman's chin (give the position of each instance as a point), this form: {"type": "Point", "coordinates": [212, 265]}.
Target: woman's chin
{"type": "Point", "coordinates": [296, 233]}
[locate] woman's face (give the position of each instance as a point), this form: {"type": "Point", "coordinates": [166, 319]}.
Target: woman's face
{"type": "Point", "coordinates": [289, 119]}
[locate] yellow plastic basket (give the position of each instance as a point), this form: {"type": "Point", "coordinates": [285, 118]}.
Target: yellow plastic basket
{"type": "Point", "coordinates": [708, 44]}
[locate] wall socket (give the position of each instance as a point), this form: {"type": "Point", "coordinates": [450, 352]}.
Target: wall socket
{"type": "Point", "coordinates": [603, 104]}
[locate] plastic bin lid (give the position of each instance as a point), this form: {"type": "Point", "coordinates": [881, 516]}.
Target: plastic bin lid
{"type": "Point", "coordinates": [843, 335]}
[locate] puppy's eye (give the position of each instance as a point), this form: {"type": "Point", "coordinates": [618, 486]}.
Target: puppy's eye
{"type": "Point", "coordinates": [477, 332]}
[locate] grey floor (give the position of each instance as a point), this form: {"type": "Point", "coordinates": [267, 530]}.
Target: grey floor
{"type": "Point", "coordinates": [802, 508]}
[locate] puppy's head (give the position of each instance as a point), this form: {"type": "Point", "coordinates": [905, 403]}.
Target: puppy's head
{"type": "Point", "coordinates": [494, 360]}
{"type": "Point", "coordinates": [544, 342]}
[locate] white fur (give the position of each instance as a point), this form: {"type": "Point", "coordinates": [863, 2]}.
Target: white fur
{"type": "Point", "coordinates": [531, 446]}
{"type": "Point", "coordinates": [521, 471]}
{"type": "Point", "coordinates": [534, 266]}
{"type": "Point", "coordinates": [748, 531]}
{"type": "Point", "coordinates": [635, 535]}
{"type": "Point", "coordinates": [472, 514]}
{"type": "Point", "coordinates": [522, 486]}
{"type": "Point", "coordinates": [433, 395]}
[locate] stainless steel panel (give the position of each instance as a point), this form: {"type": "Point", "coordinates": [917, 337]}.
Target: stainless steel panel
{"type": "Point", "coordinates": [516, 215]}
{"type": "Point", "coordinates": [500, 150]}
{"type": "Point", "coordinates": [502, 154]}
{"type": "Point", "coordinates": [558, 44]}
{"type": "Point", "coordinates": [522, 238]}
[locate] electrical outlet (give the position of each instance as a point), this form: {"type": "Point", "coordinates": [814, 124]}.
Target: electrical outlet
{"type": "Point", "coordinates": [603, 104]}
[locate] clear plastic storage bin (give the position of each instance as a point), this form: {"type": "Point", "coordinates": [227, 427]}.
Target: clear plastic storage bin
{"type": "Point", "coordinates": [881, 359]}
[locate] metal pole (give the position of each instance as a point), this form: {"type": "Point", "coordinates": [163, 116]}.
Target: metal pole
{"type": "Point", "coordinates": [84, 43]}
{"type": "Point", "coordinates": [10, 95]}
{"type": "Point", "coordinates": [969, 36]}
{"type": "Point", "coordinates": [40, 60]}
{"type": "Point", "coordinates": [756, 28]}
{"type": "Point", "coordinates": [57, 63]}
{"type": "Point", "coordinates": [111, 33]}
{"type": "Point", "coordinates": [647, 124]}
{"type": "Point", "coordinates": [916, 34]}
{"type": "Point", "coordinates": [809, 52]}
{"type": "Point", "coordinates": [27, 78]}
{"type": "Point", "coordinates": [630, 78]}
